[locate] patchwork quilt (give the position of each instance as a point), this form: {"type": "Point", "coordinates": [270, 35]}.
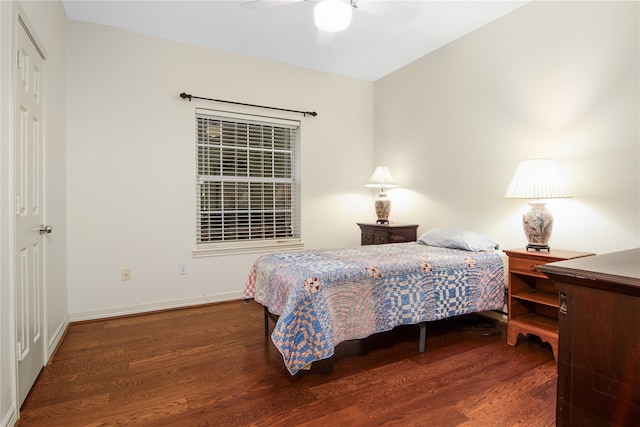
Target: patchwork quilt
{"type": "Point", "coordinates": [324, 297]}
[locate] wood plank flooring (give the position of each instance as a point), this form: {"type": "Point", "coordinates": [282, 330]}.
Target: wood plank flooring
{"type": "Point", "coordinates": [212, 366]}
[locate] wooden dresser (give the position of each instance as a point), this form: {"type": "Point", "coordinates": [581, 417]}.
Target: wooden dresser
{"type": "Point", "coordinates": [599, 347]}
{"type": "Point", "coordinates": [380, 234]}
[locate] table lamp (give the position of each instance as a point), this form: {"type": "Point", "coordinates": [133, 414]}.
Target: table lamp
{"type": "Point", "coordinates": [537, 179]}
{"type": "Point", "coordinates": [382, 179]}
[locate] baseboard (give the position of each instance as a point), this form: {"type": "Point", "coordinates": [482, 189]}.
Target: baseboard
{"type": "Point", "coordinates": [155, 306]}
{"type": "Point", "coordinates": [10, 419]}
{"type": "Point", "coordinates": [56, 339]}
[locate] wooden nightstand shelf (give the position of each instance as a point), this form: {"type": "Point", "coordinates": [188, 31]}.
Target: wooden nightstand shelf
{"type": "Point", "coordinates": [380, 234]}
{"type": "Point", "coordinates": [533, 298]}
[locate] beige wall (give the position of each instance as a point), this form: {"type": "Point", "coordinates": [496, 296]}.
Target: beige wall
{"type": "Point", "coordinates": [551, 79]}
{"type": "Point", "coordinates": [452, 127]}
{"type": "Point", "coordinates": [131, 164]}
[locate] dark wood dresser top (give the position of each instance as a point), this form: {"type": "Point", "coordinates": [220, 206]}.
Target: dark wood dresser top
{"type": "Point", "coordinates": [616, 272]}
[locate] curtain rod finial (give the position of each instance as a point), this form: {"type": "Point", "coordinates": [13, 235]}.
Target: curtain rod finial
{"type": "Point", "coordinates": [185, 95]}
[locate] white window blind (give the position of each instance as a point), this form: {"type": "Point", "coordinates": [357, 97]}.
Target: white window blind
{"type": "Point", "coordinates": [247, 189]}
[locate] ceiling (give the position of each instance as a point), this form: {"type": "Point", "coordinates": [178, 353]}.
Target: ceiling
{"type": "Point", "coordinates": [383, 36]}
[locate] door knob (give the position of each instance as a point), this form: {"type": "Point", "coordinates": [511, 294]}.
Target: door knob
{"type": "Point", "coordinates": [45, 229]}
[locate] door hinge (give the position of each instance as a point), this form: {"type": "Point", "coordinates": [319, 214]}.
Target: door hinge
{"type": "Point", "coordinates": [19, 59]}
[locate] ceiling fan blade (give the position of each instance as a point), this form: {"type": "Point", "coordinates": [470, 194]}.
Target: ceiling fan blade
{"type": "Point", "coordinates": [392, 10]}
{"type": "Point", "coordinates": [324, 38]}
{"type": "Point", "coordinates": [262, 4]}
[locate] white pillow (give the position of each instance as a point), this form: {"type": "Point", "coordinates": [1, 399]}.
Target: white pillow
{"type": "Point", "coordinates": [455, 238]}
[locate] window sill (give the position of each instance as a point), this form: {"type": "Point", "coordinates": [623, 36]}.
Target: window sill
{"type": "Point", "coordinates": [236, 248]}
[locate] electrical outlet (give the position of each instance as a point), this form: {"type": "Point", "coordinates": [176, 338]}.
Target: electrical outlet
{"type": "Point", "coordinates": [126, 274]}
{"type": "Point", "coordinates": [182, 268]}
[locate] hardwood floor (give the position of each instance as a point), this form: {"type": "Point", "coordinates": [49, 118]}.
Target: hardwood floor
{"type": "Point", "coordinates": [213, 366]}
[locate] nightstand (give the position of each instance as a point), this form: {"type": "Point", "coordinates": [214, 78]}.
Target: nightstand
{"type": "Point", "coordinates": [380, 234]}
{"type": "Point", "coordinates": [533, 298]}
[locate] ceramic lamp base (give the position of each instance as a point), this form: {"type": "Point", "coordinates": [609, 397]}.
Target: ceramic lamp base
{"type": "Point", "coordinates": [537, 224]}
{"type": "Point", "coordinates": [383, 209]}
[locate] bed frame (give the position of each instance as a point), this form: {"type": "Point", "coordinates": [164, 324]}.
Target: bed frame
{"type": "Point", "coordinates": [423, 328]}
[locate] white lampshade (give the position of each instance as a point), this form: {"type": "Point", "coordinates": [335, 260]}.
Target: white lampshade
{"type": "Point", "coordinates": [537, 179]}
{"type": "Point", "coordinates": [381, 178]}
{"type": "Point", "coordinates": [332, 15]}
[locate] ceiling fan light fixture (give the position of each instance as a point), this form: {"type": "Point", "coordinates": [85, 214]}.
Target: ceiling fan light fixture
{"type": "Point", "coordinates": [332, 15]}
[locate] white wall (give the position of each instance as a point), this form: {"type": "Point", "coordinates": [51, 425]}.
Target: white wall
{"type": "Point", "coordinates": [47, 22]}
{"type": "Point", "coordinates": [551, 79]}
{"type": "Point", "coordinates": [131, 164]}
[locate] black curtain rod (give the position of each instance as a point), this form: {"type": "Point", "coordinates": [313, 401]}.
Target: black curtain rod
{"type": "Point", "coordinates": [305, 113]}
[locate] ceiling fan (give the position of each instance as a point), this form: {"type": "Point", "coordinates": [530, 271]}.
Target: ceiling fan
{"type": "Point", "coordinates": [332, 16]}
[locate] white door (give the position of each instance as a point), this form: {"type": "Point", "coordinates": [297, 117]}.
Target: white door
{"type": "Point", "coordinates": [30, 231]}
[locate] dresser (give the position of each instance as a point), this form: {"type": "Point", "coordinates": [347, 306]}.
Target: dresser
{"type": "Point", "coordinates": [380, 234]}
{"type": "Point", "coordinates": [599, 348]}
{"type": "Point", "coordinates": [533, 299]}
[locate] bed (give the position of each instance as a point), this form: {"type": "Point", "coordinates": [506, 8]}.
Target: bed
{"type": "Point", "coordinates": [323, 297]}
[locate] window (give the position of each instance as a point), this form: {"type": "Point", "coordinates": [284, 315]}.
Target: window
{"type": "Point", "coordinates": [247, 187]}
